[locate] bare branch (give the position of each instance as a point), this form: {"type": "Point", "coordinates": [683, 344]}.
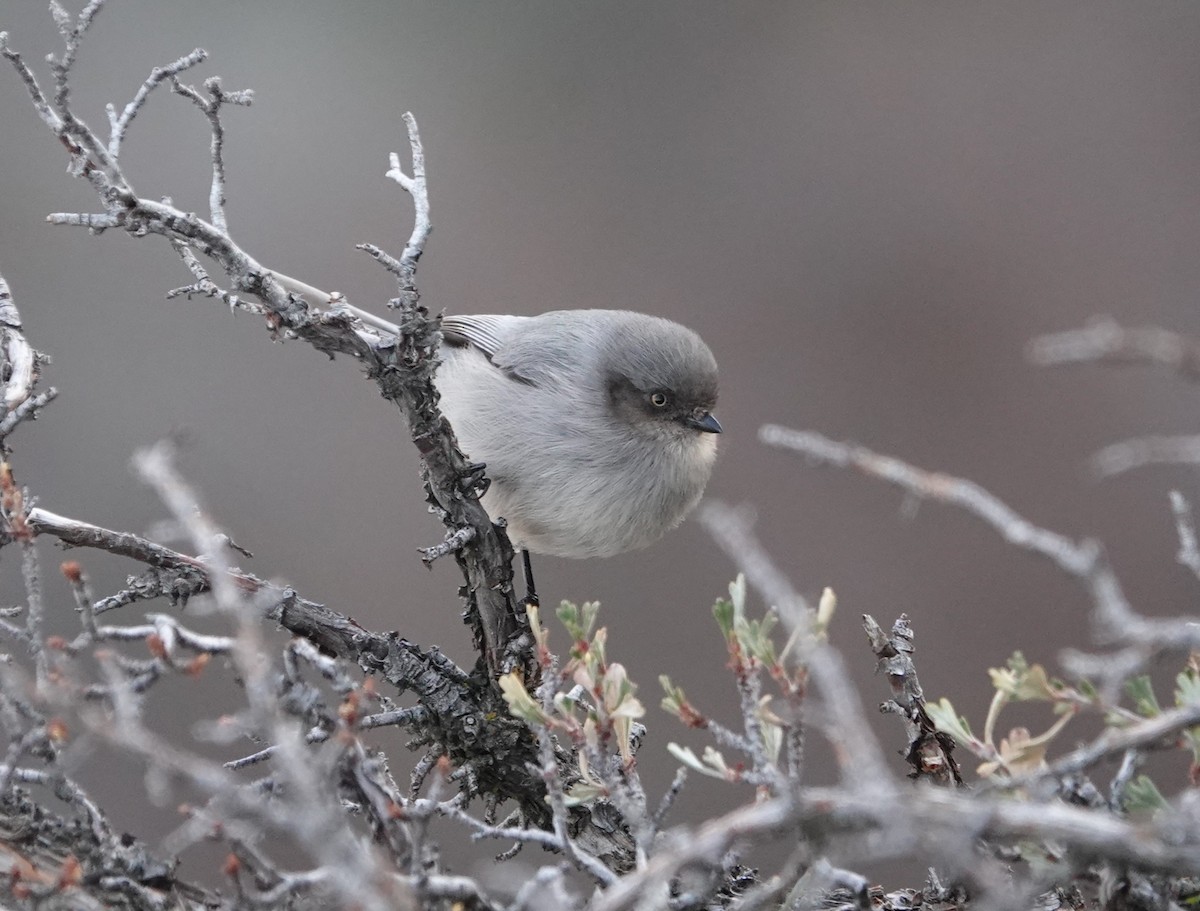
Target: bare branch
{"type": "Point", "coordinates": [453, 543]}
{"type": "Point", "coordinates": [21, 359]}
{"type": "Point", "coordinates": [96, 222]}
{"type": "Point", "coordinates": [40, 104]}
{"type": "Point", "coordinates": [19, 363]}
{"type": "Point", "coordinates": [418, 189]}
{"type": "Point", "coordinates": [211, 108]}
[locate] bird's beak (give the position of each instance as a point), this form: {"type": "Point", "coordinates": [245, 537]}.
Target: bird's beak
{"type": "Point", "coordinates": [705, 423]}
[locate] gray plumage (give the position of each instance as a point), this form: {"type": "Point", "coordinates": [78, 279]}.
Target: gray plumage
{"type": "Point", "coordinates": [595, 425]}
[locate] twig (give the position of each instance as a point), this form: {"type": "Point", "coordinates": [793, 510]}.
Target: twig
{"type": "Point", "coordinates": [211, 108]}
{"type": "Point", "coordinates": [659, 816]}
{"type": "Point", "coordinates": [119, 124]}
{"type": "Point", "coordinates": [453, 543]}
{"type": "Point", "coordinates": [28, 409]}
{"type": "Point", "coordinates": [416, 187]}
{"type": "Point", "coordinates": [1131, 761]}
{"type": "Point", "coordinates": [558, 807]}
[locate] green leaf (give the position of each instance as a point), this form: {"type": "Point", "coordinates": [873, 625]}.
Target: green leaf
{"type": "Point", "coordinates": [583, 792]}
{"type": "Point", "coordinates": [1017, 663]}
{"type": "Point", "coordinates": [578, 620]}
{"type": "Point", "coordinates": [754, 636]}
{"type": "Point", "coordinates": [520, 703]}
{"type": "Point", "coordinates": [1192, 736]}
{"type": "Point", "coordinates": [1142, 795]}
{"type": "Point", "coordinates": [949, 721]}
{"type": "Point", "coordinates": [1141, 692]}
{"type": "Point", "coordinates": [723, 612]}
{"type": "Point", "coordinates": [713, 765]}
{"type": "Point", "coordinates": [1187, 689]}
{"type": "Point", "coordinates": [729, 613]}
{"type": "Point", "coordinates": [1022, 682]}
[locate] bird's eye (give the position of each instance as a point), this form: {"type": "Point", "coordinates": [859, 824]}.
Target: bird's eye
{"type": "Point", "coordinates": [658, 399]}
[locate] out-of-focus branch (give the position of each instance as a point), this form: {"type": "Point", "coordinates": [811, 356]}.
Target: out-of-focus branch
{"type": "Point", "coordinates": [1115, 619]}
{"type": "Point", "coordinates": [1080, 559]}
{"type": "Point", "coordinates": [1138, 452]}
{"type": "Point", "coordinates": [1105, 342]}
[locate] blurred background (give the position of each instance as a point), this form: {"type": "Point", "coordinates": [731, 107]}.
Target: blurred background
{"type": "Point", "coordinates": [867, 210]}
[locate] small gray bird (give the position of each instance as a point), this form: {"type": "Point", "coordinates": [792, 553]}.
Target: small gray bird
{"type": "Point", "coordinates": [596, 426]}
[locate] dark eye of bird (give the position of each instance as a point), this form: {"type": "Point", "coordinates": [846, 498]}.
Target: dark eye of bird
{"type": "Point", "coordinates": [658, 399]}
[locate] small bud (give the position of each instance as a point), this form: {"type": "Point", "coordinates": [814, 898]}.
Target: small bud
{"type": "Point", "coordinates": [348, 710]}
{"type": "Point", "coordinates": [73, 571]}
{"type": "Point", "coordinates": [71, 873]}
{"type": "Point", "coordinates": [156, 646]}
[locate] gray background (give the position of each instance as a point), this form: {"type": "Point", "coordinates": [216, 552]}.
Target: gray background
{"type": "Point", "coordinates": [865, 209]}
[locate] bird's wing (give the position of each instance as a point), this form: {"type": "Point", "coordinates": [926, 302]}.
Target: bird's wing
{"type": "Point", "coordinates": [495, 335]}
{"type": "Point", "coordinates": [483, 332]}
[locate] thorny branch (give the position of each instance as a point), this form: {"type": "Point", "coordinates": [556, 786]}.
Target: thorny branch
{"type": "Point", "coordinates": [930, 752]}
{"type": "Point", "coordinates": [400, 357]}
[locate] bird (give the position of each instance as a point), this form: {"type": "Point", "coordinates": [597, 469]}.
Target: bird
{"type": "Point", "coordinates": [596, 427]}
